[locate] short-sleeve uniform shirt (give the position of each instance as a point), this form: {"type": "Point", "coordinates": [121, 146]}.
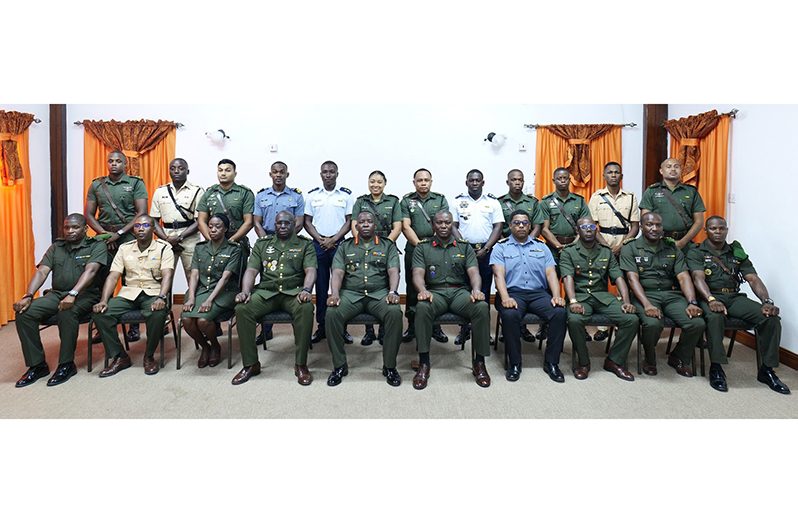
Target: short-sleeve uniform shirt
{"type": "Point", "coordinates": [445, 264]}
{"type": "Point", "coordinates": [656, 265]}
{"type": "Point", "coordinates": [591, 270]}
{"type": "Point", "coordinates": [527, 203]}
{"type": "Point", "coordinates": [524, 263]}
{"type": "Point", "coordinates": [282, 264]}
{"type": "Point", "coordinates": [475, 218]}
{"type": "Point", "coordinates": [124, 193]}
{"type": "Point", "coordinates": [68, 261]}
{"type": "Point", "coordinates": [269, 203]}
{"type": "Point", "coordinates": [601, 212]}
{"type": "Point", "coordinates": [329, 208]}
{"type": "Point", "coordinates": [686, 196]}
{"type": "Point", "coordinates": [386, 212]}
{"type": "Point", "coordinates": [212, 264]}
{"type": "Point", "coordinates": [720, 268]}
{"type": "Point", "coordinates": [365, 266]}
{"type": "Point", "coordinates": [574, 205]}
{"type": "Point", "coordinates": [238, 200]}
{"type": "Point", "coordinates": [188, 197]}
{"type": "Point", "coordinates": [142, 270]}
{"type": "Point", "coordinates": [421, 211]}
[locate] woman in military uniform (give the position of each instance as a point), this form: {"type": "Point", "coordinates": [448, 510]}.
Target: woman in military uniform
{"type": "Point", "coordinates": [387, 221]}
{"type": "Point", "coordinates": [212, 288]}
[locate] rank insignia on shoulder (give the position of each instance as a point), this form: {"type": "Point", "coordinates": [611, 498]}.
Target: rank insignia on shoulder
{"type": "Point", "coordinates": [629, 240]}
{"type": "Point", "coordinates": [346, 190]}
{"type": "Point", "coordinates": [669, 241]}
{"type": "Point", "coordinates": [297, 190]}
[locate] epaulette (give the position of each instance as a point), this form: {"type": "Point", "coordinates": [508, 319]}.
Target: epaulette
{"type": "Point", "coordinates": [670, 241]}
{"type": "Point", "coordinates": [503, 240]}
{"type": "Point", "coordinates": [425, 240]}
{"type": "Point", "coordinates": [391, 196]}
{"type": "Point", "coordinates": [573, 243]}
{"type": "Point", "coordinates": [244, 187]}
{"type": "Point", "coordinates": [231, 242]}
{"type": "Point", "coordinates": [130, 242]}
{"type": "Point", "coordinates": [490, 195]}
{"type": "Point", "coordinates": [628, 240]}
{"type": "Point", "coordinates": [201, 242]}
{"type": "Point", "coordinates": [655, 185]}
{"type": "Point", "coordinates": [260, 191]}
{"type": "Point", "coordinates": [408, 195]}
{"type": "Point", "coordinates": [136, 177]}
{"type": "Point", "coordinates": [62, 240]}
{"type": "Point", "coordinates": [99, 179]}
{"type": "Point", "coordinates": [264, 238]}
{"type": "Point", "coordinates": [158, 240]}
{"type": "Point", "coordinates": [461, 195]}
{"type": "Point", "coordinates": [738, 251]}
{"type": "Point", "coordinates": [296, 190]}
{"type": "Point", "coordinates": [313, 190]}
{"type": "Point", "coordinates": [436, 194]}
{"type": "Point", "coordinates": [346, 190]}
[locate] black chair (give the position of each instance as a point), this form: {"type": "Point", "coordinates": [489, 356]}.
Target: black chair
{"type": "Point", "coordinates": [229, 317]}
{"type": "Point", "coordinates": [732, 327]}
{"type": "Point", "coordinates": [52, 321]}
{"type": "Point", "coordinates": [528, 319]}
{"type": "Point", "coordinates": [667, 324]}
{"type": "Point", "coordinates": [136, 316]}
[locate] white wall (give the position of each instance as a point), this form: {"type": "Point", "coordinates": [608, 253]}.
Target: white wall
{"type": "Point", "coordinates": [761, 180]}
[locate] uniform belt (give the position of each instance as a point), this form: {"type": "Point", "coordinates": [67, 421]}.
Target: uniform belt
{"type": "Point", "coordinates": [477, 246]}
{"type": "Point", "coordinates": [672, 288]}
{"type": "Point", "coordinates": [178, 225]}
{"type": "Point", "coordinates": [565, 240]}
{"type": "Point", "coordinates": [727, 290]}
{"type": "Point", "coordinates": [615, 231]}
{"type": "Point", "coordinates": [676, 235]}
{"type": "Point", "coordinates": [111, 227]}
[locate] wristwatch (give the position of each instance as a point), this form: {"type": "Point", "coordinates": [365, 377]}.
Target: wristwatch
{"type": "Point", "coordinates": [306, 290]}
{"type": "Point", "coordinates": [393, 292]}
{"type": "Point", "coordinates": [162, 296]}
{"type": "Point", "coordinates": [73, 293]}
{"type": "Point", "coordinates": [693, 302]}
{"type": "Point", "coordinates": [572, 301]}
{"type": "Point", "coordinates": [768, 301]}
{"type": "Point", "coordinates": [711, 299]}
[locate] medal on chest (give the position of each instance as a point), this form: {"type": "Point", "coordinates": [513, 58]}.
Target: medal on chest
{"type": "Point", "coordinates": [433, 271]}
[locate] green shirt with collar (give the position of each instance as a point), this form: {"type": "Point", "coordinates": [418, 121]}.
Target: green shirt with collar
{"type": "Point", "coordinates": [656, 265]}
{"type": "Point", "coordinates": [573, 204]}
{"type": "Point", "coordinates": [527, 203]}
{"type": "Point", "coordinates": [212, 263]}
{"type": "Point", "coordinates": [386, 211]}
{"type": "Point", "coordinates": [591, 270]}
{"type": "Point", "coordinates": [124, 192]}
{"type": "Point", "coordinates": [68, 261]}
{"type": "Point", "coordinates": [410, 208]}
{"type": "Point", "coordinates": [282, 264]}
{"type": "Point", "coordinates": [365, 266]}
{"type": "Point", "coordinates": [238, 200]}
{"type": "Point", "coordinates": [444, 264]}
{"type": "Point", "coordinates": [732, 256]}
{"type": "Point", "coordinates": [687, 196]}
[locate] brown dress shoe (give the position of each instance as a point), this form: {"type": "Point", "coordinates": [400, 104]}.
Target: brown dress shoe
{"type": "Point", "coordinates": [119, 363]}
{"type": "Point", "coordinates": [619, 371]}
{"type": "Point", "coordinates": [580, 373]}
{"type": "Point", "coordinates": [214, 356]}
{"type": "Point", "coordinates": [480, 374]}
{"type": "Point", "coordinates": [150, 365]}
{"type": "Point", "coordinates": [682, 369]}
{"type": "Point", "coordinates": [246, 373]}
{"type": "Point", "coordinates": [303, 375]}
{"type": "Point", "coordinates": [422, 377]}
{"type": "Point", "coordinates": [202, 362]}
{"type": "Point", "coordinates": [650, 369]}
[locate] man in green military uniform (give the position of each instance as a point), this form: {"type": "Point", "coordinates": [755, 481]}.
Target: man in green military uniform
{"type": "Point", "coordinates": [586, 267]}
{"type": "Point", "coordinates": [74, 261]}
{"type": "Point", "coordinates": [119, 199]}
{"type": "Point", "coordinates": [418, 208]}
{"type": "Point", "coordinates": [235, 201]}
{"type": "Point", "coordinates": [561, 210]}
{"type": "Point", "coordinates": [443, 272]}
{"type": "Point", "coordinates": [653, 265]}
{"type": "Point", "coordinates": [365, 278]}
{"type": "Point", "coordinates": [680, 205]}
{"type": "Point", "coordinates": [718, 268]}
{"type": "Point", "coordinates": [286, 264]}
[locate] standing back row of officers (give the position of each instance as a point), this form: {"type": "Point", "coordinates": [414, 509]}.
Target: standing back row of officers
{"type": "Point", "coordinates": [451, 257]}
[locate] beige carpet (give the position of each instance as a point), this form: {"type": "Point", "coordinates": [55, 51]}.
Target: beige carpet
{"type": "Point", "coordinates": [452, 393]}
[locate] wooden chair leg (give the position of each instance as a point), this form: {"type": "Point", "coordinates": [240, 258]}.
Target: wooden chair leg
{"type": "Point", "coordinates": [178, 341]}
{"type": "Point", "coordinates": [230, 342]}
{"type": "Point", "coordinates": [609, 339]}
{"type": "Point", "coordinates": [496, 338]}
{"type": "Point", "coordinates": [89, 363]}
{"type": "Point", "coordinates": [639, 350]}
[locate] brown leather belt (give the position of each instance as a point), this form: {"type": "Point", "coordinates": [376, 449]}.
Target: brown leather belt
{"type": "Point", "coordinates": [727, 290]}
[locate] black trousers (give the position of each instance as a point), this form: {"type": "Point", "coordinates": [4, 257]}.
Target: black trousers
{"type": "Point", "coordinates": [537, 302]}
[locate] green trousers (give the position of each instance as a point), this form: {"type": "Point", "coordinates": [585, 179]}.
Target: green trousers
{"type": "Point", "coordinates": [673, 305]}
{"type": "Point", "coordinates": [458, 301]}
{"type": "Point", "coordinates": [411, 294]}
{"type": "Point", "coordinates": [68, 324]}
{"type": "Point", "coordinates": [249, 315]}
{"type": "Point", "coordinates": [107, 321]}
{"type": "Point", "coordinates": [389, 315]}
{"type": "Point", "coordinates": [768, 329]}
{"type": "Point", "coordinates": [625, 332]}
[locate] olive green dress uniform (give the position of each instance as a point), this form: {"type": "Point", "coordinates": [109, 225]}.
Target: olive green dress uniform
{"type": "Point", "coordinates": [657, 267]}
{"type": "Point", "coordinates": [410, 206]}
{"type": "Point", "coordinates": [591, 269]}
{"type": "Point", "coordinates": [655, 199]}
{"type": "Point", "coordinates": [527, 203]}
{"type": "Point", "coordinates": [211, 264]}
{"type": "Point", "coordinates": [575, 206]}
{"type": "Point", "coordinates": [67, 262]}
{"type": "Point", "coordinates": [446, 279]}
{"type": "Point", "coordinates": [364, 289]}
{"type": "Point", "coordinates": [282, 267]}
{"type": "Point", "coordinates": [124, 192]}
{"type": "Point", "coordinates": [725, 287]}
{"type": "Point", "coordinates": [238, 200]}
{"type": "Point", "coordinates": [142, 274]}
{"type": "Point", "coordinates": [386, 212]}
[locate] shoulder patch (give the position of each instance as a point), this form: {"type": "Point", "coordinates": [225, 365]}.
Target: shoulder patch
{"type": "Point", "coordinates": [296, 190]}
{"type": "Point", "coordinates": [425, 240]}
{"type": "Point", "coordinates": [738, 251]}
{"type": "Point", "coordinates": [313, 190]}
{"type": "Point", "coordinates": [669, 241]}
{"type": "Point", "coordinates": [346, 190]}
{"type": "Point", "coordinates": [490, 195]}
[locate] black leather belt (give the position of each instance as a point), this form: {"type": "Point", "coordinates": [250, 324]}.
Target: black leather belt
{"type": "Point", "coordinates": [676, 235]}
{"type": "Point", "coordinates": [477, 246]}
{"type": "Point", "coordinates": [178, 225]}
{"type": "Point", "coordinates": [615, 231]}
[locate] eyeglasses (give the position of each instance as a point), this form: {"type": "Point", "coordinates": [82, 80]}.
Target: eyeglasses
{"type": "Point", "coordinates": [588, 227]}
{"type": "Point", "coordinates": [141, 225]}
{"type": "Point", "coordinates": [520, 222]}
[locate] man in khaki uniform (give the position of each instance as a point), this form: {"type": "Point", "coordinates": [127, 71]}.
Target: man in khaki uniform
{"type": "Point", "coordinates": [175, 204]}
{"type": "Point", "coordinates": [148, 266]}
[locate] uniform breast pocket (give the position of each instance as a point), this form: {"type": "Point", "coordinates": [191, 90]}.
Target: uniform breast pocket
{"type": "Point", "coordinates": [339, 202]}
{"type": "Point", "coordinates": [379, 261]}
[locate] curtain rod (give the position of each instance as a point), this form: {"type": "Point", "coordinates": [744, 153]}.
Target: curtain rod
{"type": "Point", "coordinates": [536, 125]}
{"type": "Point", "coordinates": [178, 125]}
{"type": "Point", "coordinates": [732, 113]}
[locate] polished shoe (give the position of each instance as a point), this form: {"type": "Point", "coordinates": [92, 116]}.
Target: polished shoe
{"type": "Point", "coordinates": [246, 373]}
{"type": "Point", "coordinates": [463, 336]}
{"type": "Point", "coordinates": [422, 377]}
{"type": "Point", "coordinates": [513, 373]}
{"type": "Point", "coordinates": [214, 356]}
{"type": "Point", "coordinates": [62, 373]}
{"type": "Point", "coordinates": [554, 372]}
{"type": "Point", "coordinates": [769, 378]}
{"type": "Point", "coordinates": [202, 362]}
{"type": "Point", "coordinates": [682, 369]}
{"type": "Point", "coordinates": [587, 337]}
{"type": "Point", "coordinates": [303, 375]}
{"type": "Point", "coordinates": [318, 336]}
{"type": "Point", "coordinates": [150, 366]}
{"type": "Point", "coordinates": [348, 338]}
{"type": "Point", "coordinates": [219, 330]}
{"type": "Point", "coordinates": [118, 364]}
{"type": "Point", "coordinates": [601, 335]}
{"type": "Point", "coordinates": [525, 335]}
{"type": "Point", "coordinates": [410, 335]}
{"type": "Point", "coordinates": [480, 374]}
{"type": "Point", "coordinates": [133, 334]}
{"type": "Point", "coordinates": [392, 376]}
{"type": "Point", "coordinates": [581, 373]}
{"type": "Point", "coordinates": [438, 335]}
{"type": "Point", "coordinates": [337, 375]}
{"type": "Point", "coordinates": [33, 374]}
{"type": "Point", "coordinates": [368, 338]}
{"type": "Point", "coordinates": [618, 370]}
{"type": "Point", "coordinates": [650, 369]}
{"type": "Point", "coordinates": [543, 332]}
{"type": "Point", "coordinates": [717, 379]}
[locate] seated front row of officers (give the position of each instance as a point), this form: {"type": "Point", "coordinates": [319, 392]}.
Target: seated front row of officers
{"type": "Point", "coordinates": [365, 279]}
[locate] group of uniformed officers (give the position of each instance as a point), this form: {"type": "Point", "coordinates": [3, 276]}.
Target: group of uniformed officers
{"type": "Point", "coordinates": [452, 256]}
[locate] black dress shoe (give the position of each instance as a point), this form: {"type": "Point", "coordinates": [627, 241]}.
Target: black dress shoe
{"type": "Point", "coordinates": [717, 379]}
{"type": "Point", "coordinates": [601, 335]}
{"type": "Point", "coordinates": [133, 333]}
{"type": "Point", "coordinates": [218, 329]}
{"type": "Point", "coordinates": [409, 335]}
{"type": "Point", "coordinates": [348, 338]}
{"type": "Point", "coordinates": [513, 373]}
{"type": "Point", "coordinates": [438, 334]}
{"type": "Point", "coordinates": [463, 336]}
{"type": "Point", "coordinates": [33, 374]}
{"type": "Point", "coordinates": [62, 373]}
{"type": "Point", "coordinates": [337, 375]}
{"type": "Point", "coordinates": [392, 376]}
{"type": "Point", "coordinates": [769, 378]}
{"type": "Point", "coordinates": [554, 372]}
{"type": "Point", "coordinates": [587, 337]}
{"type": "Point", "coordinates": [525, 335]}
{"type": "Point", "coordinates": [369, 337]}
{"type": "Point", "coordinates": [543, 332]}
{"type": "Point", "coordinates": [318, 336]}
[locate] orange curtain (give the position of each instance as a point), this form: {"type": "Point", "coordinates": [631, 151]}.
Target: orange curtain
{"type": "Point", "coordinates": [153, 166]}
{"type": "Point", "coordinates": [551, 151]}
{"type": "Point", "coordinates": [16, 223]}
{"type": "Point", "coordinates": [579, 138]}
{"type": "Point", "coordinates": [689, 131]}
{"type": "Point", "coordinates": [711, 168]}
